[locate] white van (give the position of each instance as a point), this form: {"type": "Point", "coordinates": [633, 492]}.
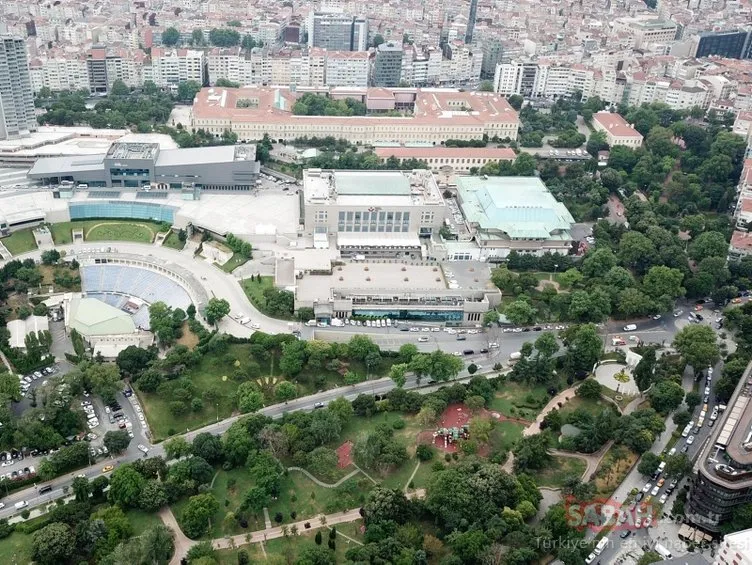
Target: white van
{"type": "Point", "coordinates": [663, 552]}
{"type": "Point", "coordinates": [515, 356]}
{"type": "Point", "coordinates": [21, 504]}
{"type": "Point", "coordinates": [687, 429]}
{"type": "Point", "coordinates": [630, 327]}
{"type": "Point", "coordinates": [601, 546]}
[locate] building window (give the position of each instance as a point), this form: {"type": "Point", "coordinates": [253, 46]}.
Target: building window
{"type": "Point", "coordinates": [321, 216]}
{"type": "Point", "coordinates": [426, 218]}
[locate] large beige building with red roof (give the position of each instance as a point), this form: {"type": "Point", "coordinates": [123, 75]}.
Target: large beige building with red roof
{"type": "Point", "coordinates": [617, 130]}
{"type": "Point", "coordinates": [429, 115]}
{"type": "Point", "coordinates": [459, 159]}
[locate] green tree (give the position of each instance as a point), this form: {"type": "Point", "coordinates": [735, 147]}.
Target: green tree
{"type": "Point", "coordinates": [682, 418]}
{"type": "Point", "coordinates": [176, 447]}
{"type": "Point", "coordinates": [584, 347]}
{"type": "Point", "coordinates": [590, 389]}
{"type": "Point", "coordinates": [666, 396]}
{"type": "Point", "coordinates": [648, 464]}
{"type": "Point", "coordinates": [692, 399]}
{"type": "Point", "coordinates": [126, 485]}
{"type": "Point", "coordinates": [54, 543]}
{"type": "Point", "coordinates": [643, 374]}
{"type": "Point", "coordinates": [117, 442]}
{"type": "Point", "coordinates": [378, 39]}
{"type": "Point", "coordinates": [285, 391]}
{"type": "Point", "coordinates": [187, 90]}
{"type": "Point", "coordinates": [170, 37]}
{"type": "Point", "coordinates": [708, 244]}
{"type": "Point", "coordinates": [216, 309]}
{"type": "Point", "coordinates": [81, 489]}
{"type": "Point", "coordinates": [397, 373]}
{"type": "Point", "coordinates": [678, 465]}
{"type": "Point", "coordinates": [195, 518]}
{"type": "Point", "coordinates": [520, 312]}
{"type": "Point", "coordinates": [249, 397]}
{"type": "Point", "coordinates": [697, 345]}
{"type": "Point", "coordinates": [531, 453]}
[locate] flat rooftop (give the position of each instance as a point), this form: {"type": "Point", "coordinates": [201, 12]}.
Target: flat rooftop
{"type": "Point", "coordinates": [133, 151]}
{"type": "Point", "coordinates": [727, 457]}
{"type": "Point", "coordinates": [383, 277]}
{"type": "Point", "coordinates": [373, 188]}
{"type": "Point", "coordinates": [268, 212]}
{"type": "Point", "coordinates": [431, 106]}
{"type": "Point", "coordinates": [60, 141]}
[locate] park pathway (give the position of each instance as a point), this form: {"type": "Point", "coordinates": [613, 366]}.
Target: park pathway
{"type": "Point", "coordinates": [344, 479]}
{"type": "Point", "coordinates": [182, 543]}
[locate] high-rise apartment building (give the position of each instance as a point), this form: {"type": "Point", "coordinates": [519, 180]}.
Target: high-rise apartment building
{"type": "Point", "coordinates": [337, 32]}
{"type": "Point", "coordinates": [387, 66]}
{"type": "Point", "coordinates": [16, 95]}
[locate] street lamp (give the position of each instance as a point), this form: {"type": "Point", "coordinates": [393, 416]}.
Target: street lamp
{"type": "Point", "coordinates": [556, 266]}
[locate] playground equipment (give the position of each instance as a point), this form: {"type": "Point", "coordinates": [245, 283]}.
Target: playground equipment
{"type": "Point", "coordinates": [452, 435]}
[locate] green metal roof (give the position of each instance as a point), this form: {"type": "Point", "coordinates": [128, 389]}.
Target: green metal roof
{"type": "Point", "coordinates": [93, 317]}
{"type": "Point", "coordinates": [521, 207]}
{"type": "Point", "coordinates": [363, 183]}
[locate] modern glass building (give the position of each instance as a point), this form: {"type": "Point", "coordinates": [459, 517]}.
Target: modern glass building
{"type": "Point", "coordinates": [119, 209]}
{"type": "Point", "coordinates": [735, 44]}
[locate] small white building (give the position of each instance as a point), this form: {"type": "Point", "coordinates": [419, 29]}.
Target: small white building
{"type": "Point", "coordinates": [19, 329]}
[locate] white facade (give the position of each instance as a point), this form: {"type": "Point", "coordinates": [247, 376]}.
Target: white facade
{"type": "Point", "coordinates": [17, 117]}
{"type": "Point", "coordinates": [60, 74]}
{"type": "Point", "coordinates": [170, 67]}
{"type": "Point", "coordinates": [736, 549]}
{"type": "Point", "coordinates": [347, 69]}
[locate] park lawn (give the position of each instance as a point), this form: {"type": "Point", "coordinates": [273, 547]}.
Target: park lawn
{"type": "Point", "coordinates": [16, 549]}
{"type": "Point", "coordinates": [515, 400]}
{"type": "Point", "coordinates": [504, 435]}
{"type": "Point", "coordinates": [235, 261]}
{"type": "Point", "coordinates": [557, 470]}
{"type": "Point", "coordinates": [209, 371]}
{"type": "Point", "coordinates": [230, 556]}
{"type": "Point", "coordinates": [21, 241]}
{"type": "Point", "coordinates": [141, 521]}
{"type": "Point", "coordinates": [173, 242]}
{"type": "Point", "coordinates": [358, 426]}
{"type": "Point", "coordinates": [106, 230]}
{"type": "Point", "coordinates": [592, 406]}
{"type": "Point", "coordinates": [613, 468]}
{"type": "Point", "coordinates": [556, 277]}
{"type": "Point", "coordinates": [230, 499]}
{"type": "Point", "coordinates": [625, 399]}
{"type": "Point", "coordinates": [255, 291]}
{"type": "Point", "coordinates": [298, 493]}
{"type": "Point", "coordinates": [289, 548]}
{"type": "Point", "coordinates": [189, 339]}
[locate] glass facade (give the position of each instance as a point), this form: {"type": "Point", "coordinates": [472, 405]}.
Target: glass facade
{"type": "Point", "coordinates": [140, 210]}
{"type": "Point", "coordinates": [426, 315]}
{"type": "Point", "coordinates": [374, 221]}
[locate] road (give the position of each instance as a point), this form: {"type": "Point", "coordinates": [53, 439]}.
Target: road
{"type": "Point", "coordinates": [663, 530]}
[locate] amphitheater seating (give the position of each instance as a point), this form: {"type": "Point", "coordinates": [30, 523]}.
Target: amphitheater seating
{"type": "Point", "coordinates": [114, 284]}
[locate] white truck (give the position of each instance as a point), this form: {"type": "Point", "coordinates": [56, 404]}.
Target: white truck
{"type": "Point", "coordinates": [601, 546]}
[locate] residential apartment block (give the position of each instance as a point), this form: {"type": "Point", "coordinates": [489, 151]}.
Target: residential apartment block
{"type": "Point", "coordinates": [170, 67]}
{"type": "Point", "coordinates": [17, 116]}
